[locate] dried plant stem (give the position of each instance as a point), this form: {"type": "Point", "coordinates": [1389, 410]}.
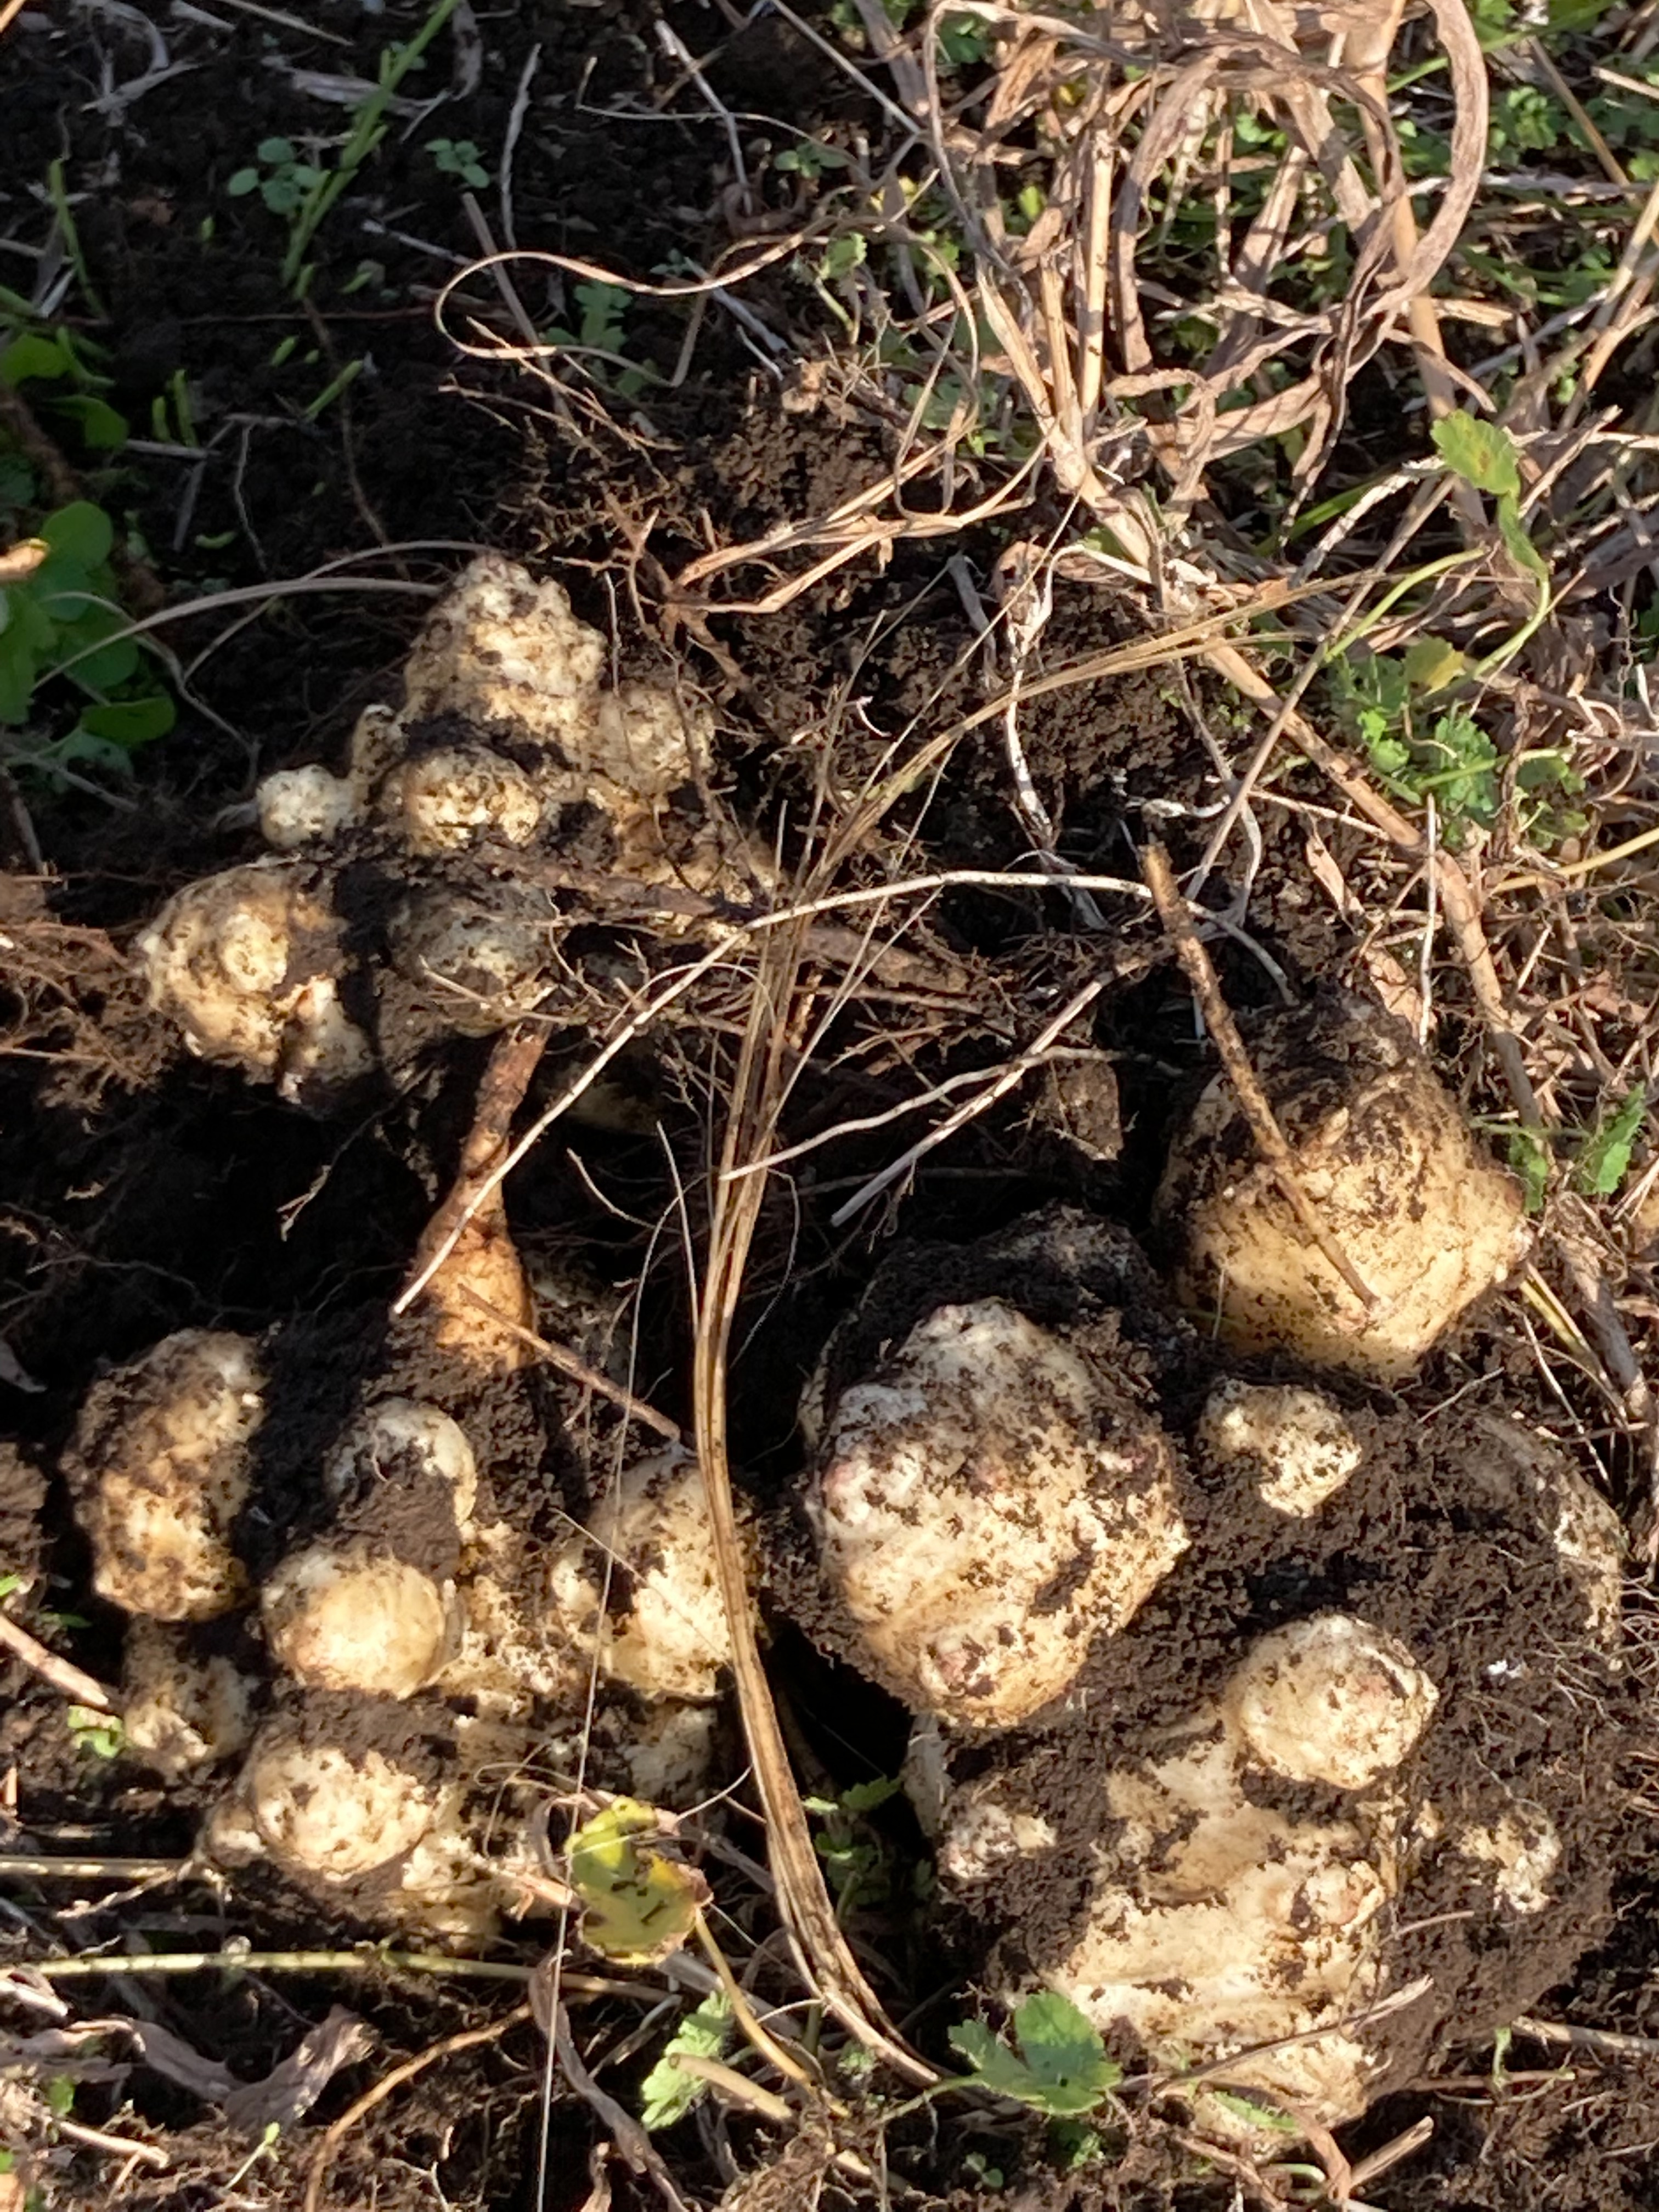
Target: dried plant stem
{"type": "Point", "coordinates": [335, 2135]}
{"type": "Point", "coordinates": [997, 1086]}
{"type": "Point", "coordinates": [1605, 2041]}
{"type": "Point", "coordinates": [62, 1673]}
{"type": "Point", "coordinates": [555, 1355]}
{"type": "Point", "coordinates": [514, 1059]}
{"type": "Point", "coordinates": [1457, 897]}
{"type": "Point", "coordinates": [758, 1087]}
{"type": "Point", "coordinates": [1195, 962]}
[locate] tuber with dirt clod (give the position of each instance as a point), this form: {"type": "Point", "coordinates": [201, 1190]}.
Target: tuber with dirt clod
{"type": "Point", "coordinates": [410, 898]}
{"type": "Point", "coordinates": [1384, 1157]}
{"type": "Point", "coordinates": [1295, 1807]}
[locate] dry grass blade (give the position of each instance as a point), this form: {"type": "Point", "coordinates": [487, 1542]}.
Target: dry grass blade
{"type": "Point", "coordinates": [1177, 923]}
{"type": "Point", "coordinates": [758, 1089]}
{"type": "Point", "coordinates": [333, 2136]}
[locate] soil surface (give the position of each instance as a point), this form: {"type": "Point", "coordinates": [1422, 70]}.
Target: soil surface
{"type": "Point", "coordinates": [143, 1192]}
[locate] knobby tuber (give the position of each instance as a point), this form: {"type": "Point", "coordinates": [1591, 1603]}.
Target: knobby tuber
{"type": "Point", "coordinates": [1384, 1154]}
{"type": "Point", "coordinates": [384, 890]}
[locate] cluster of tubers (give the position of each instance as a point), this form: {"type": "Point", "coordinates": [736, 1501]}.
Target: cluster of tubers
{"type": "Point", "coordinates": [1185, 1732]}
{"type": "Point", "coordinates": [402, 901]}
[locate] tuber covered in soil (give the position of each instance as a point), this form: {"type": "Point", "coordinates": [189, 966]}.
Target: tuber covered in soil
{"type": "Point", "coordinates": [1283, 1757]}
{"type": "Point", "coordinates": [160, 1468]}
{"type": "Point", "coordinates": [1384, 1157]}
{"type": "Point", "coordinates": [400, 897]}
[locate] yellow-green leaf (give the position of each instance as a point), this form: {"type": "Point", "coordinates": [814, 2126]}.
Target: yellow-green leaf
{"type": "Point", "coordinates": [1431, 664]}
{"type": "Point", "coordinates": [638, 1904]}
{"type": "Point", "coordinates": [1481, 453]}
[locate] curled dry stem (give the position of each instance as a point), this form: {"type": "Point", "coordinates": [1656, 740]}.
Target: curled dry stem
{"type": "Point", "coordinates": [469, 2039]}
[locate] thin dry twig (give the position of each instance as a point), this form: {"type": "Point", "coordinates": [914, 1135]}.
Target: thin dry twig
{"type": "Point", "coordinates": [556, 1355]}
{"type": "Point", "coordinates": [1606, 2041]}
{"type": "Point", "coordinates": [1217, 1015]}
{"type": "Point", "coordinates": [469, 2039]}
{"type": "Point", "coordinates": [63, 1673]}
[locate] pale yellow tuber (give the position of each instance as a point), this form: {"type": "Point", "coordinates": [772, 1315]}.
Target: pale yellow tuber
{"type": "Point", "coordinates": [668, 1636]}
{"type": "Point", "coordinates": [1299, 1442]}
{"type": "Point", "coordinates": [248, 965]}
{"type": "Point", "coordinates": [1384, 1155]}
{"type": "Point", "coordinates": [160, 1468]}
{"type": "Point", "coordinates": [180, 1709]}
{"type": "Point", "coordinates": [1330, 1700]}
{"type": "Point", "coordinates": [987, 1465]}
{"type": "Point", "coordinates": [345, 1616]}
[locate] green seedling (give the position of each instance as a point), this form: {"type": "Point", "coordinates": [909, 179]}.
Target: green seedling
{"type": "Point", "coordinates": [62, 618]}
{"type": "Point", "coordinates": [305, 192]}
{"type": "Point", "coordinates": [810, 160]}
{"type": "Point", "coordinates": [1484, 455]}
{"type": "Point", "coordinates": [857, 1862]}
{"type": "Point", "coordinates": [64, 385]}
{"type": "Point", "coordinates": [1603, 1164]}
{"type": "Point", "coordinates": [1420, 752]}
{"type": "Point", "coordinates": [668, 2092]}
{"type": "Point", "coordinates": [278, 175]}
{"type": "Point", "coordinates": [458, 157]}
{"type": "Point", "coordinates": [1528, 1155]}
{"type": "Point", "coordinates": [57, 193]}
{"type": "Point", "coordinates": [100, 1735]}
{"type": "Point", "coordinates": [601, 329]}
{"type": "Point", "coordinates": [1059, 2065]}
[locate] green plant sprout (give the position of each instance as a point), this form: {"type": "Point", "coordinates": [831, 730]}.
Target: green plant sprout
{"type": "Point", "coordinates": [1059, 2065]}
{"type": "Point", "coordinates": [68, 387]}
{"type": "Point", "coordinates": [668, 2092]}
{"type": "Point", "coordinates": [1484, 455]}
{"type": "Point", "coordinates": [1420, 754]}
{"type": "Point", "coordinates": [62, 618]}
{"type": "Point", "coordinates": [601, 330]}
{"type": "Point", "coordinates": [857, 1862]}
{"type": "Point", "coordinates": [458, 157]}
{"type": "Point", "coordinates": [306, 193]}
{"type": "Point", "coordinates": [278, 175]}
{"type": "Point", "coordinates": [100, 1734]}
{"type": "Point", "coordinates": [1603, 1163]}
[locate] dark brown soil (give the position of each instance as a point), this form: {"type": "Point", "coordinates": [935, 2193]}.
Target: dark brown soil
{"type": "Point", "coordinates": [141, 1192]}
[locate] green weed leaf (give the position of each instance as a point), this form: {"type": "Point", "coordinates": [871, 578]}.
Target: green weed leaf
{"type": "Point", "coordinates": [1061, 2067]}
{"type": "Point", "coordinates": [1432, 664]}
{"type": "Point", "coordinates": [30, 355]}
{"type": "Point", "coordinates": [81, 533]}
{"type": "Point", "coordinates": [1604, 1161]}
{"type": "Point", "coordinates": [1519, 547]}
{"type": "Point", "coordinates": [129, 723]}
{"type": "Point", "coordinates": [1479, 451]}
{"type": "Point", "coordinates": [1528, 1156]}
{"type": "Point", "coordinates": [668, 2092]}
{"type": "Point", "coordinates": [102, 429]}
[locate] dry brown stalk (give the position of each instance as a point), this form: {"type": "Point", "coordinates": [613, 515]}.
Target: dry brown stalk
{"type": "Point", "coordinates": [62, 1673]}
{"type": "Point", "coordinates": [1217, 1015]}
{"type": "Point", "coordinates": [758, 1087]}
{"type": "Point", "coordinates": [333, 2136]}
